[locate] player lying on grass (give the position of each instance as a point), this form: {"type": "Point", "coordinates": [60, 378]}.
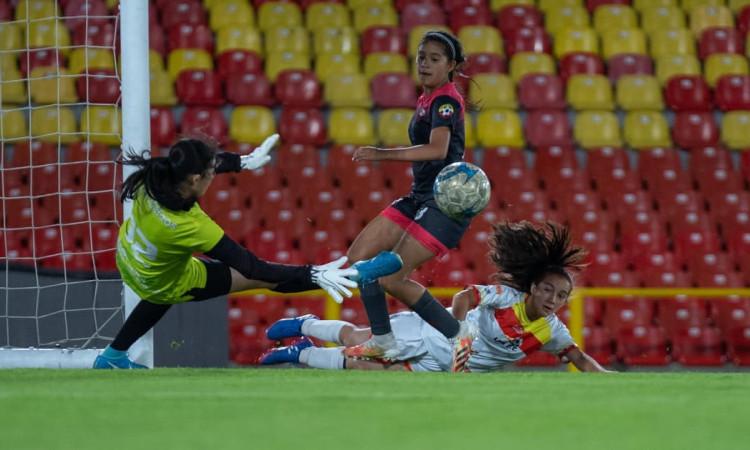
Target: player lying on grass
{"type": "Point", "coordinates": [156, 244]}
{"type": "Point", "coordinates": [512, 319]}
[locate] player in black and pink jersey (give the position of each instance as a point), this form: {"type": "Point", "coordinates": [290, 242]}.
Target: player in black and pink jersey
{"type": "Point", "coordinates": [413, 226]}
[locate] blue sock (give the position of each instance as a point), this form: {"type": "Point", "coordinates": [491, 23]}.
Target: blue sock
{"type": "Point", "coordinates": [111, 353]}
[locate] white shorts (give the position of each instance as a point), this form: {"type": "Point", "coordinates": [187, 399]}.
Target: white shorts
{"type": "Point", "coordinates": [408, 330]}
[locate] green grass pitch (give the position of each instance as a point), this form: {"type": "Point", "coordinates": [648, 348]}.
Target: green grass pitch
{"type": "Point", "coordinates": [312, 409]}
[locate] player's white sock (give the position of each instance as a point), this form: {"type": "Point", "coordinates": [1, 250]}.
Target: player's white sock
{"type": "Point", "coordinates": [384, 340]}
{"type": "Point", "coordinates": [322, 358]}
{"type": "Point", "coordinates": [325, 330]}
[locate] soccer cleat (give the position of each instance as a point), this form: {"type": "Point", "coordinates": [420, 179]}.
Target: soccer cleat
{"type": "Point", "coordinates": [288, 354]}
{"type": "Point", "coordinates": [384, 264]}
{"type": "Point", "coordinates": [103, 362]}
{"type": "Point", "coordinates": [286, 328]}
{"type": "Point", "coordinates": [371, 350]}
{"type": "Point", "coordinates": [462, 347]}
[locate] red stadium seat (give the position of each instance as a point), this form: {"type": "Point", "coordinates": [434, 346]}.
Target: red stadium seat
{"type": "Point", "coordinates": [249, 89]}
{"type": "Point", "coordinates": [733, 92]}
{"type": "Point", "coordinates": [675, 207]}
{"type": "Point", "coordinates": [527, 40]}
{"type": "Point", "coordinates": [576, 63]}
{"type": "Point", "coordinates": [76, 11]}
{"type": "Point", "coordinates": [199, 88]}
{"type": "Point", "coordinates": [725, 209]}
{"type": "Point", "coordinates": [541, 91]}
{"type": "Point", "coordinates": [720, 40]}
{"type": "Point", "coordinates": [704, 160]}
{"type": "Point", "coordinates": [421, 13]}
{"type": "Point", "coordinates": [31, 59]}
{"type": "Point", "coordinates": [383, 39]}
{"type": "Point", "coordinates": [629, 64]}
{"type": "Point", "coordinates": [204, 121]}
{"type": "Point", "coordinates": [461, 16]}
{"type": "Point", "coordinates": [592, 228]}
{"type": "Point", "coordinates": [298, 88]}
{"type": "Point", "coordinates": [303, 126]}
{"type": "Point", "coordinates": [698, 347]}
{"type": "Point", "coordinates": [608, 269]}
{"type": "Point", "coordinates": [628, 204]}
{"type": "Point", "coordinates": [687, 93]}
{"type": "Point", "coordinates": [6, 13]}
{"type": "Point", "coordinates": [163, 129]}
{"type": "Point", "coordinates": [394, 90]}
{"type": "Point", "coordinates": [88, 151]}
{"type": "Point", "coordinates": [182, 12]}
{"type": "Point", "coordinates": [692, 244]}
{"type": "Point", "coordinates": [187, 35]}
{"type": "Point", "coordinates": [652, 162]}
{"type": "Point", "coordinates": [620, 182]}
{"type": "Point", "coordinates": [743, 20]}
{"type": "Point", "coordinates": [98, 86]}
{"type": "Point", "coordinates": [599, 344]}
{"type": "Point", "coordinates": [156, 39]}
{"type": "Point", "coordinates": [484, 63]}
{"type": "Point", "coordinates": [602, 161]}
{"type": "Point", "coordinates": [238, 61]}
{"type": "Point", "coordinates": [549, 159]}
{"type": "Point", "coordinates": [512, 18]}
{"type": "Point", "coordinates": [544, 128]}
{"type": "Point", "coordinates": [669, 182]}
{"type": "Point", "coordinates": [635, 242]}
{"type": "Point", "coordinates": [593, 4]}
{"type": "Point", "coordinates": [102, 33]}
{"type": "Point", "coordinates": [576, 206]}
{"type": "Point", "coordinates": [707, 266]}
{"type": "Point", "coordinates": [626, 314]}
{"type": "Point", "coordinates": [26, 153]}
{"type": "Point", "coordinates": [719, 182]}
{"type": "Point", "coordinates": [563, 181]}
{"type": "Point", "coordinates": [694, 130]}
{"type": "Point", "coordinates": [738, 346]}
{"type": "Point", "coordinates": [642, 346]}
{"type": "Point", "coordinates": [681, 313]}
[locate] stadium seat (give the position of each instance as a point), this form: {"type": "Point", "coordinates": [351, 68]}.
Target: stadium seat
{"type": "Point", "coordinates": [83, 59]}
{"type": "Point", "coordinates": [644, 129]}
{"type": "Point", "coordinates": [499, 128]}
{"type": "Point", "coordinates": [182, 12]}
{"type": "Point", "coordinates": [249, 89]}
{"type": "Point", "coordinates": [598, 343]}
{"type": "Point", "coordinates": [199, 87]}
{"type": "Point", "coordinates": [351, 126]}
{"type": "Point", "coordinates": [279, 62]}
{"type": "Point", "coordinates": [545, 128]}
{"type": "Point", "coordinates": [704, 17]}
{"type": "Point", "coordinates": [163, 128]}
{"type": "Point", "coordinates": [719, 182]}
{"type": "Point", "coordinates": [669, 66]}
{"type": "Point", "coordinates": [737, 5]}
{"type": "Point", "coordinates": [36, 9]}
{"type": "Point", "coordinates": [493, 91]}
{"type": "Point", "coordinates": [204, 121]}
{"type": "Point", "coordinates": [302, 126]}
{"type": "Point", "coordinates": [602, 161]}
{"type": "Point", "coordinates": [49, 34]}
{"type": "Point", "coordinates": [237, 37]}
{"type": "Point", "coordinates": [642, 346]}
{"type": "Point", "coordinates": [393, 90]}
{"type": "Point", "coordinates": [550, 159]}
{"type": "Point", "coordinates": [50, 85]}
{"type": "Point", "coordinates": [619, 42]}
{"type": "Point", "coordinates": [522, 64]}
{"type": "Point", "coordinates": [734, 130]}
{"type": "Point", "coordinates": [743, 21]}
{"type": "Point", "coordinates": [575, 40]}
{"type": "Point", "coordinates": [53, 124]}
{"type": "Point", "coordinates": [484, 63]}
{"type": "Point", "coordinates": [295, 39]}
{"type": "Point", "coordinates": [698, 347]}
{"type": "Point", "coordinates": [514, 17]}
{"type": "Point", "coordinates": [656, 18]}
{"type": "Point", "coordinates": [156, 40]}
{"type": "Point", "coordinates": [527, 40]}
{"type": "Point", "coordinates": [421, 13]}
{"type": "Point", "coordinates": [589, 92]}
{"type": "Point", "coordinates": [377, 63]}
{"type": "Point", "coordinates": [14, 125]}
{"type": "Point", "coordinates": [639, 92]}
{"type": "Point", "coordinates": [726, 208]}
{"type": "Point", "coordinates": [481, 39]}
{"type": "Point", "coordinates": [614, 18]}
{"type": "Point", "coordinates": [689, 5]}
{"type": "Point", "coordinates": [191, 36]}
{"type": "Point", "coordinates": [594, 129]}
{"type": "Point", "coordinates": [238, 61]}
{"type": "Point", "coordinates": [547, 5]}
{"type": "Point", "coordinates": [674, 206]}
{"type": "Point", "coordinates": [27, 153]}
{"type": "Point", "coordinates": [75, 12]}
{"type": "Point", "coordinates": [188, 59]}
{"type": "Point", "coordinates": [679, 314]}
{"type": "Point", "coordinates": [347, 90]}
{"type": "Point", "coordinates": [378, 15]}
{"type": "Point", "coordinates": [326, 15]}
{"type": "Point", "coordinates": [541, 91]}
{"type": "Point", "coordinates": [393, 127]}
{"type": "Point", "coordinates": [273, 15]}
{"type": "Point", "coordinates": [563, 17]}
{"type": "Point", "coordinates": [670, 42]}
{"type": "Point", "coordinates": [298, 88]}
{"type": "Point", "coordinates": [694, 130]}
{"type": "Point", "coordinates": [336, 40]}
{"type": "Point", "coordinates": [155, 62]}
{"type": "Point", "coordinates": [383, 40]}
{"type": "Point", "coordinates": [251, 124]}
{"type": "Point", "coordinates": [626, 314]}
{"type": "Point", "coordinates": [733, 92]}
{"type": "Point", "coordinates": [35, 58]}
{"type": "Point", "coordinates": [720, 40]}
{"type": "Point", "coordinates": [688, 93]}
{"type": "Point", "coordinates": [738, 346]}
{"type": "Point", "coordinates": [100, 86]}
{"type": "Point", "coordinates": [417, 33]}
{"type": "Point", "coordinates": [718, 65]}
{"type": "Point", "coordinates": [102, 124]}
{"type": "Point", "coordinates": [231, 13]}
{"type": "Point", "coordinates": [161, 89]}
{"type": "Point", "coordinates": [580, 63]}
{"type": "Point", "coordinates": [461, 16]}
{"type": "Point", "coordinates": [11, 36]}
{"type": "Point", "coordinates": [330, 64]}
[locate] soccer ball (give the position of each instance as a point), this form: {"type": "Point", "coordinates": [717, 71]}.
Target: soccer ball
{"type": "Point", "coordinates": [462, 190]}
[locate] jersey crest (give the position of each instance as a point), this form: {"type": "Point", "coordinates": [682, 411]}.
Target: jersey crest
{"type": "Point", "coordinates": [445, 110]}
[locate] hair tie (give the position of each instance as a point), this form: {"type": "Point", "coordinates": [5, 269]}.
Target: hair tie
{"type": "Point", "coordinates": [445, 39]}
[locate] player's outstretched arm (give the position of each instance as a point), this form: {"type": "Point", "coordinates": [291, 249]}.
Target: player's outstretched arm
{"type": "Point", "coordinates": [436, 149]}
{"type": "Point", "coordinates": [584, 362]}
{"type": "Point", "coordinates": [462, 303]}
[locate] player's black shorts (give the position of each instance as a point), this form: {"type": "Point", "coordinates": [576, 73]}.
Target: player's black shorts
{"type": "Point", "coordinates": [424, 221]}
{"type": "Point", "coordinates": [218, 281]}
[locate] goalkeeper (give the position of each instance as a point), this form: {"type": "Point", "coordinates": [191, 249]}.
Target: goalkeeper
{"type": "Point", "coordinates": [156, 244]}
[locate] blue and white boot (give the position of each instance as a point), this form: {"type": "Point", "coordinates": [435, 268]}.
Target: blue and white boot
{"type": "Point", "coordinates": [286, 328]}
{"type": "Point", "coordinates": [288, 354]}
{"type": "Point", "coordinates": [383, 264]}
{"type": "Point", "coordinates": [114, 359]}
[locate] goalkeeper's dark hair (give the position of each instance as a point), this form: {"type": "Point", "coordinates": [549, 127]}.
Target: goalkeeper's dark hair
{"type": "Point", "coordinates": [525, 253]}
{"type": "Point", "coordinates": [161, 176]}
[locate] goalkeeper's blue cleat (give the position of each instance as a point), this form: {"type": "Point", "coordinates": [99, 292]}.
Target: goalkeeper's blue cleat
{"type": "Point", "coordinates": [384, 264]}
{"type": "Point", "coordinates": [104, 362]}
{"type": "Point", "coordinates": [286, 328]}
{"type": "Point", "coordinates": [288, 354]}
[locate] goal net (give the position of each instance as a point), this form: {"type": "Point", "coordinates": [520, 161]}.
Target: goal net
{"type": "Point", "coordinates": [60, 134]}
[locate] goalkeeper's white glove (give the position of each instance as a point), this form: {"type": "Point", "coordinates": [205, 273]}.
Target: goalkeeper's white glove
{"type": "Point", "coordinates": [333, 279]}
{"type": "Point", "coordinates": [259, 157]}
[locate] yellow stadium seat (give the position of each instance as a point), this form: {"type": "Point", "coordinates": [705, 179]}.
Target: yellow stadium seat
{"type": "Point", "coordinates": [13, 125]}
{"type": "Point", "coordinates": [188, 59]}
{"type": "Point", "coordinates": [162, 89]}
{"type": "Point", "coordinates": [351, 126]}
{"type": "Point", "coordinates": [336, 40]}
{"type": "Point", "coordinates": [48, 33]}
{"type": "Point", "coordinates": [327, 15]}
{"type": "Point", "coordinates": [367, 16]}
{"type": "Point", "coordinates": [719, 64]}
{"type": "Point", "coordinates": [524, 63]}
{"type": "Point", "coordinates": [548, 5]}
{"type": "Point", "coordinates": [481, 39]}
{"type": "Point", "coordinates": [561, 18]}
{"type": "Point", "coordinates": [642, 5]}
{"type": "Point", "coordinates": [470, 138]}
{"type": "Point", "coordinates": [639, 92]}
{"type": "Point", "coordinates": [499, 128]}
{"type": "Point", "coordinates": [376, 63]}
{"type": "Point", "coordinates": [393, 127]}
{"type": "Point", "coordinates": [54, 124]}
{"type": "Point", "coordinates": [278, 62]}
{"type": "Point", "coordinates": [595, 129]}
{"type": "Point", "coordinates": [52, 85]}
{"type": "Point", "coordinates": [352, 4]}
{"type": "Point", "coordinates": [333, 64]}
{"type": "Point", "coordinates": [671, 42]}
{"type": "Point", "coordinates": [11, 36]}
{"type": "Point", "coordinates": [231, 12]}
{"type": "Point", "coordinates": [575, 40]}
{"type": "Point", "coordinates": [36, 9]}
{"type": "Point", "coordinates": [646, 129]}
{"type": "Point", "coordinates": [589, 92]}
{"type": "Point", "coordinates": [238, 37]}
{"type": "Point", "coordinates": [348, 90]}
{"type": "Point", "coordinates": [155, 61]}
{"type": "Point", "coordinates": [689, 5]}
{"type": "Point", "coordinates": [614, 17]}
{"type": "Point", "coordinates": [669, 66]}
{"type": "Point", "coordinates": [102, 124]}
{"type": "Point", "coordinates": [417, 33]}
{"type": "Point", "coordinates": [279, 15]}
{"type": "Point", "coordinates": [734, 127]}
{"type": "Point", "coordinates": [497, 5]}
{"type": "Point", "coordinates": [13, 87]}
{"type": "Point", "coordinates": [662, 18]}
{"type": "Point", "coordinates": [287, 40]}
{"type": "Point", "coordinates": [251, 124]}
{"type": "Point", "coordinates": [616, 42]}
{"type": "Point", "coordinates": [493, 90]}
{"type": "Point", "coordinates": [737, 5]}
{"type": "Point", "coordinates": [703, 17]}
{"type": "Point", "coordinates": [89, 58]}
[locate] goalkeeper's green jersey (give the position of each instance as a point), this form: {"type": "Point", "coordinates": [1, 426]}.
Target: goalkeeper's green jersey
{"type": "Point", "coordinates": [155, 249]}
